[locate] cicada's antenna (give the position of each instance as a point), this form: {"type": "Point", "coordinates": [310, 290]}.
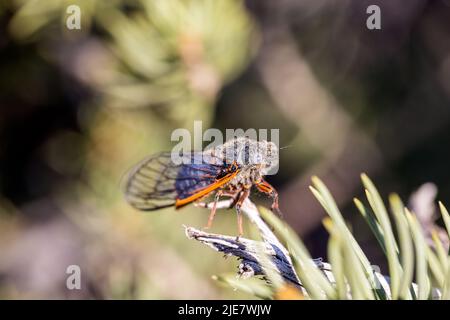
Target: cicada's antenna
{"type": "Point", "coordinates": [285, 147]}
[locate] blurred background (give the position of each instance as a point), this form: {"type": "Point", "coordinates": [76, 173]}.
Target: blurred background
{"type": "Point", "coordinates": [79, 107]}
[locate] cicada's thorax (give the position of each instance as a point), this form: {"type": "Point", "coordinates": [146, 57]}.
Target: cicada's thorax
{"type": "Point", "coordinates": [247, 176]}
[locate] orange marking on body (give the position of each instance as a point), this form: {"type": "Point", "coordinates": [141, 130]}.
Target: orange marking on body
{"type": "Point", "coordinates": [205, 191]}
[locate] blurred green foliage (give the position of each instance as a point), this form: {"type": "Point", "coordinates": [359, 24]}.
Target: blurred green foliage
{"type": "Point", "coordinates": [175, 55]}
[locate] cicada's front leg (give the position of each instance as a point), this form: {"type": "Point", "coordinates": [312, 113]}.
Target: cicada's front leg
{"type": "Point", "coordinates": [268, 189]}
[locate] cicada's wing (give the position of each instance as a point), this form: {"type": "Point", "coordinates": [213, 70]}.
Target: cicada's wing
{"type": "Point", "coordinates": [159, 182]}
{"type": "Point", "coordinates": [150, 184]}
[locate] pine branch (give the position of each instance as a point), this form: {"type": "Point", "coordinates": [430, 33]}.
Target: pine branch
{"type": "Point", "coordinates": [252, 253]}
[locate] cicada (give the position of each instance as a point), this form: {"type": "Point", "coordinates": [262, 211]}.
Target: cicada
{"type": "Point", "coordinates": [228, 170]}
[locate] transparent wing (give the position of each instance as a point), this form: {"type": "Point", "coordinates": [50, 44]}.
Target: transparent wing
{"type": "Point", "coordinates": [157, 182]}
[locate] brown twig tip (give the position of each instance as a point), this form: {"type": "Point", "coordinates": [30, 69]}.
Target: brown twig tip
{"type": "Point", "coordinates": [219, 242]}
{"type": "Point", "coordinates": [191, 233]}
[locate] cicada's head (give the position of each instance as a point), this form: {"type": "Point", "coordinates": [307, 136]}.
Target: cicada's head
{"type": "Point", "coordinates": [267, 155]}
{"type": "Point", "coordinates": [248, 152]}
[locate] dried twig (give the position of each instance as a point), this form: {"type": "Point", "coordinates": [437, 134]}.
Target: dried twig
{"type": "Point", "coordinates": [251, 252]}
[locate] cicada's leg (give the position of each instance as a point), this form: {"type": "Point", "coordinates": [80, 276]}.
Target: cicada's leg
{"type": "Point", "coordinates": [242, 196]}
{"type": "Point", "coordinates": [213, 210]}
{"type": "Point", "coordinates": [234, 195]}
{"type": "Point", "coordinates": [267, 188]}
{"type": "Point", "coordinates": [224, 204]}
